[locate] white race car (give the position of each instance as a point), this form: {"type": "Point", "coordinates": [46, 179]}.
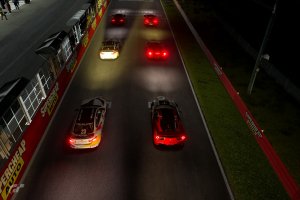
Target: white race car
{"type": "Point", "coordinates": [110, 50]}
{"type": "Point", "coordinates": [87, 127]}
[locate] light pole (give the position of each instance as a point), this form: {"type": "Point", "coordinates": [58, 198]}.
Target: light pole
{"type": "Point", "coordinates": [262, 49]}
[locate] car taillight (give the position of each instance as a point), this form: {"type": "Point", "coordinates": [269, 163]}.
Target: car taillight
{"type": "Point", "coordinates": [155, 21]}
{"type": "Point", "coordinates": [113, 20]}
{"type": "Point", "coordinates": [146, 21]}
{"type": "Point", "coordinates": [149, 53]}
{"type": "Point", "coordinates": [71, 141]}
{"type": "Point", "coordinates": [183, 137]}
{"type": "Point", "coordinates": [159, 138]}
{"type": "Point", "coordinates": [164, 53]}
{"type": "Point", "coordinates": [121, 20]}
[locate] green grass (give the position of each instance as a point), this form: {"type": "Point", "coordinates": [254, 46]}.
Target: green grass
{"type": "Point", "coordinates": [249, 173]}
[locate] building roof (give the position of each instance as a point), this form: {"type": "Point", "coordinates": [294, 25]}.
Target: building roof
{"type": "Point", "coordinates": [52, 44]}
{"type": "Point", "coordinates": [10, 92]}
{"type": "Point", "coordinates": [76, 18]}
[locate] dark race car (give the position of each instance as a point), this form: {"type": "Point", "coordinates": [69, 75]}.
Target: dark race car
{"type": "Point", "coordinates": [110, 50]}
{"type": "Point", "coordinates": [156, 50]}
{"type": "Point", "coordinates": [167, 127]}
{"type": "Point", "coordinates": [151, 20]}
{"type": "Point", "coordinates": [118, 19]}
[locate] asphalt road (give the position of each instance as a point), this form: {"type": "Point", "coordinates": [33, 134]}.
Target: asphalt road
{"type": "Point", "coordinates": [126, 165]}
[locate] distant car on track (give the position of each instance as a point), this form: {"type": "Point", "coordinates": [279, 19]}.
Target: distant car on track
{"type": "Point", "coordinates": [87, 127]}
{"type": "Point", "coordinates": [156, 50]}
{"type": "Point", "coordinates": [151, 20]}
{"type": "Point", "coordinates": [167, 127]}
{"type": "Point", "coordinates": [110, 50]}
{"type": "Point", "coordinates": [118, 19]}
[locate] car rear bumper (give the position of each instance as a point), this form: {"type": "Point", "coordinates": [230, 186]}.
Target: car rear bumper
{"type": "Point", "coordinates": [91, 145]}
{"type": "Point", "coordinates": [169, 142]}
{"type": "Point", "coordinates": [109, 56]}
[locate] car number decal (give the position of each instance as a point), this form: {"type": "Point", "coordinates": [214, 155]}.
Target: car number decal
{"type": "Point", "coordinates": [83, 131]}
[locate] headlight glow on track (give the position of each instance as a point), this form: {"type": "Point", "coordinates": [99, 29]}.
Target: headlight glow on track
{"type": "Point", "coordinates": [119, 32]}
{"type": "Point", "coordinates": [154, 34]}
{"type": "Point", "coordinates": [154, 78]}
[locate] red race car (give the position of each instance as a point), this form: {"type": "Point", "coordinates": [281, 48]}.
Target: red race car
{"type": "Point", "coordinates": [156, 50]}
{"type": "Point", "coordinates": [167, 126]}
{"type": "Point", "coordinates": [151, 20]}
{"type": "Point", "coordinates": [118, 19]}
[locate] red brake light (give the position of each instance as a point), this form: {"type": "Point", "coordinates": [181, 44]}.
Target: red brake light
{"type": "Point", "coordinates": [183, 137]}
{"type": "Point", "coordinates": [157, 137]}
{"type": "Point", "coordinates": [71, 141]}
{"type": "Point", "coordinates": [149, 53]}
{"type": "Point", "coordinates": [113, 20]}
{"type": "Point", "coordinates": [155, 21]}
{"type": "Point", "coordinates": [165, 53]}
{"type": "Point", "coordinates": [146, 21]}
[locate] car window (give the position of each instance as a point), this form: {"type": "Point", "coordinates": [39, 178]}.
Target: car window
{"type": "Point", "coordinates": [167, 121]}
{"type": "Point", "coordinates": [155, 45]}
{"type": "Point", "coordinates": [98, 117]}
{"type": "Point", "coordinates": [109, 45]}
{"type": "Point", "coordinates": [84, 123]}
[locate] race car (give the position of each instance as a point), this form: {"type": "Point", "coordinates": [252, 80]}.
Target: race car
{"type": "Point", "coordinates": [87, 127]}
{"type": "Point", "coordinates": [156, 50]}
{"type": "Point", "coordinates": [167, 127]}
{"type": "Point", "coordinates": [118, 19]}
{"type": "Point", "coordinates": [151, 20]}
{"type": "Point", "coordinates": [110, 50]}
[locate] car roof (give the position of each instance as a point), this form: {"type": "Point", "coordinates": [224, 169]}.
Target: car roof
{"type": "Point", "coordinates": [169, 120]}
{"type": "Point", "coordinates": [118, 15]}
{"type": "Point", "coordinates": [155, 44]}
{"type": "Point", "coordinates": [86, 115]}
{"type": "Point", "coordinates": [110, 42]}
{"type": "Point", "coordinates": [166, 111]}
